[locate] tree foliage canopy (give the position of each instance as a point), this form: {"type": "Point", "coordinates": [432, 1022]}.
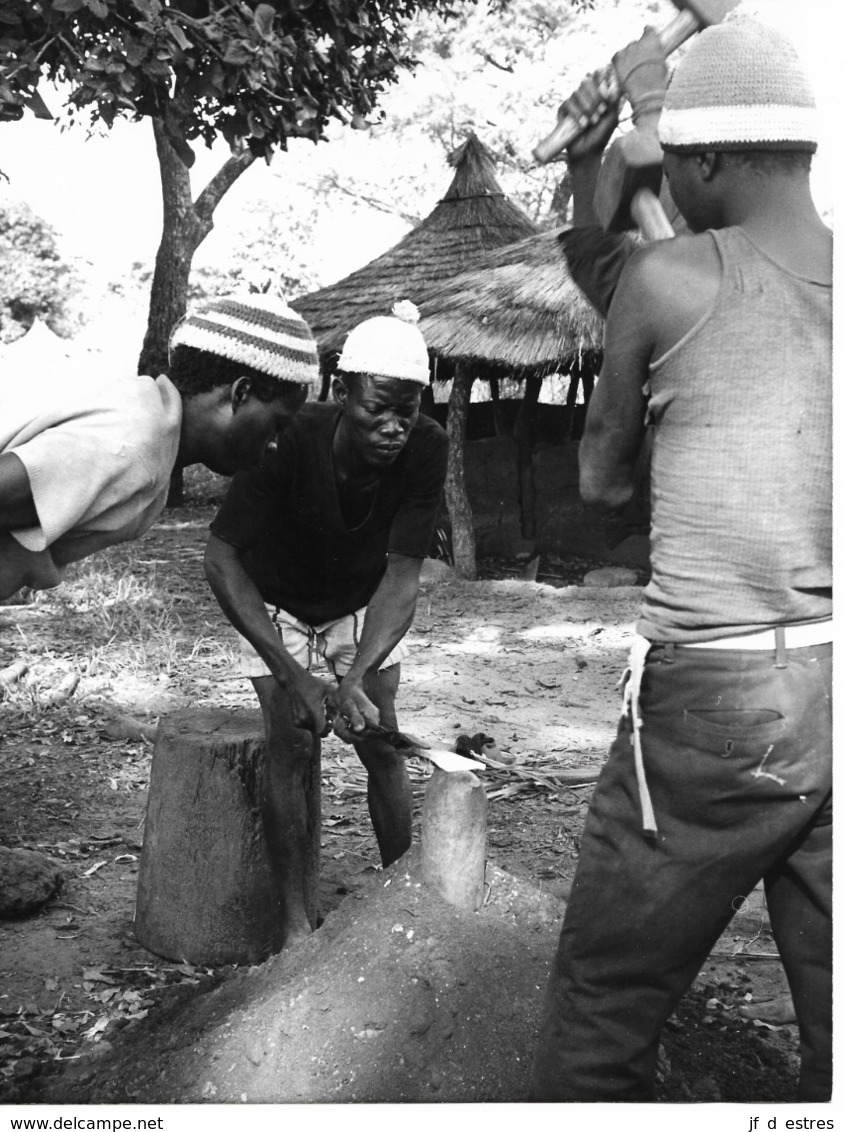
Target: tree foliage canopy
{"type": "Point", "coordinates": [500, 74]}
{"type": "Point", "coordinates": [36, 282]}
{"type": "Point", "coordinates": [257, 73]}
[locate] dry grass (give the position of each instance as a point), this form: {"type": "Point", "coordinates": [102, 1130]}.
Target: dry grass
{"type": "Point", "coordinates": [114, 624]}
{"type": "Point", "coordinates": [115, 618]}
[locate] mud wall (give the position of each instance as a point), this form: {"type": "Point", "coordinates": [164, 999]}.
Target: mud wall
{"type": "Point", "coordinates": [562, 524]}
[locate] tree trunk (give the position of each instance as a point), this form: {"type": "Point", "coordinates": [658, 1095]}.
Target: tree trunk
{"type": "Point", "coordinates": [524, 429]}
{"type": "Point", "coordinates": [207, 887]}
{"type": "Point", "coordinates": [185, 225]}
{"type": "Point", "coordinates": [180, 237]}
{"type": "Point", "coordinates": [460, 512]}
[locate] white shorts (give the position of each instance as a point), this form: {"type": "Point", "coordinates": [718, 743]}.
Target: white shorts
{"type": "Point", "coordinates": [335, 642]}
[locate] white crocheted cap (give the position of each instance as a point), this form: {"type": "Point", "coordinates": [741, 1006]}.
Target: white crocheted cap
{"type": "Point", "coordinates": [740, 86]}
{"type": "Point", "coordinates": [260, 332]}
{"type": "Point", "coordinates": [388, 346]}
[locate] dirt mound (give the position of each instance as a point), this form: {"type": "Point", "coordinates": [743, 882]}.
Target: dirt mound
{"type": "Point", "coordinates": [398, 997]}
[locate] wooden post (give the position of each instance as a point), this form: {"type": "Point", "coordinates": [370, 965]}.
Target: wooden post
{"type": "Point", "coordinates": [588, 381]}
{"type": "Point", "coordinates": [457, 500]}
{"type": "Point", "coordinates": [571, 398]}
{"type": "Point", "coordinates": [453, 837]}
{"type": "Point", "coordinates": [524, 429]}
{"type": "Point", "coordinates": [498, 420]}
{"type": "Point", "coordinates": [207, 890]}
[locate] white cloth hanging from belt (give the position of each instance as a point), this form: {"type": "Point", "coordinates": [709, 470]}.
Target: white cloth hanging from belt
{"type": "Point", "coordinates": [631, 681]}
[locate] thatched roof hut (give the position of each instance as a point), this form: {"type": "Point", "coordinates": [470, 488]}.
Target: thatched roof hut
{"type": "Point", "coordinates": [473, 217]}
{"type": "Point", "coordinates": [494, 294]}
{"type": "Point", "coordinates": [518, 310]}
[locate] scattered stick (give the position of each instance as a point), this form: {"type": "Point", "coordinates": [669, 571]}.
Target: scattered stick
{"type": "Point", "coordinates": [550, 778]}
{"type": "Point", "coordinates": [13, 673]}
{"type": "Point", "coordinates": [64, 691]}
{"type": "Point", "coordinates": [773, 957]}
{"type": "Point", "coordinates": [120, 726]}
{"type": "Point", "coordinates": [94, 868]}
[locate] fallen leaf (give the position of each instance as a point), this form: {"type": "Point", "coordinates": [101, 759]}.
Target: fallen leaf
{"type": "Point", "coordinates": [95, 975]}
{"type": "Point", "coordinates": [98, 1027]}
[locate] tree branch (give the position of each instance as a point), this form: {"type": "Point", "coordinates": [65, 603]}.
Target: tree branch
{"type": "Point", "coordinates": [220, 184]}
{"type": "Point", "coordinates": [333, 182]}
{"type": "Point", "coordinates": [493, 63]}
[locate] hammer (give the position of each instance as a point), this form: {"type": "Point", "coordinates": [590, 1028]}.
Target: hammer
{"type": "Point", "coordinates": [628, 186]}
{"type": "Point", "coordinates": [693, 15]}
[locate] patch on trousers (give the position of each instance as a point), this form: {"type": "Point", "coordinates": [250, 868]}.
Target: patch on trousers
{"type": "Point", "coordinates": [760, 773]}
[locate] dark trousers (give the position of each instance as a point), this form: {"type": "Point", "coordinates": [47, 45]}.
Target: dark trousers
{"type": "Point", "coordinates": [737, 755]}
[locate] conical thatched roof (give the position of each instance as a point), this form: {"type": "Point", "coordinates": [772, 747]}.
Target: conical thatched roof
{"type": "Point", "coordinates": [518, 309]}
{"type": "Point", "coordinates": [40, 345]}
{"type": "Point", "coordinates": [473, 217]}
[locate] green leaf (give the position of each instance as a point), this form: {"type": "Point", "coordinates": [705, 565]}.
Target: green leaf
{"type": "Point", "coordinates": [264, 15]}
{"type": "Point", "coordinates": [135, 53]}
{"type": "Point", "coordinates": [98, 7]}
{"type": "Point", "coordinates": [179, 36]}
{"type": "Point", "coordinates": [236, 55]}
{"type": "Point", "coordinates": [67, 5]}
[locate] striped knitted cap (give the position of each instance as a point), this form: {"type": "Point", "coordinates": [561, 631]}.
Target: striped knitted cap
{"type": "Point", "coordinates": [739, 87]}
{"type": "Point", "coordinates": [258, 331]}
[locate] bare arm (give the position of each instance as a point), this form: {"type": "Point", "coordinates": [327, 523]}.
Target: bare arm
{"type": "Point", "coordinates": [242, 603]}
{"type": "Point", "coordinates": [17, 507]}
{"type": "Point", "coordinates": [664, 291]}
{"type": "Point", "coordinates": [390, 613]}
{"type": "Point", "coordinates": [615, 428]}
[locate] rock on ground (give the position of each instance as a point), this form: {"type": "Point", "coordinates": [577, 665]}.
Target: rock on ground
{"type": "Point", "coordinates": [609, 576]}
{"type": "Point", "coordinates": [27, 881]}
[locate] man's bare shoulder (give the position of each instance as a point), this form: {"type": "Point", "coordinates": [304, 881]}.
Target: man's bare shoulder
{"type": "Point", "coordinates": [660, 264]}
{"type": "Point", "coordinates": [667, 287]}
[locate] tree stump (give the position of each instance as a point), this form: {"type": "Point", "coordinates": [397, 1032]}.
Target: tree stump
{"type": "Point", "coordinates": [453, 837]}
{"type": "Point", "coordinates": [207, 887]}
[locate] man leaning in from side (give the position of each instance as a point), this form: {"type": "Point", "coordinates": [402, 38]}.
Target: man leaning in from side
{"type": "Point", "coordinates": [720, 774]}
{"type": "Point", "coordinates": [85, 461]}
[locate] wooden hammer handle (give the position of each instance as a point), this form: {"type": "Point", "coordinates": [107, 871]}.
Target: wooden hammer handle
{"type": "Point", "coordinates": [650, 218]}
{"type": "Point", "coordinates": [568, 129]}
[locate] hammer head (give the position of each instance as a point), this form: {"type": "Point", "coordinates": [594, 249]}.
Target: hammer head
{"type": "Point", "coordinates": [707, 12]}
{"type": "Point", "coordinates": [634, 161]}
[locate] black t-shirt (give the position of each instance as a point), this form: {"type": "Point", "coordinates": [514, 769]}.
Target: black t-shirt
{"type": "Point", "coordinates": [595, 260]}
{"type": "Point", "coordinates": [285, 514]}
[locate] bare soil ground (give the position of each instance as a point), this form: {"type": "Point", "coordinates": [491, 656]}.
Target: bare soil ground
{"type": "Point", "coordinates": [531, 665]}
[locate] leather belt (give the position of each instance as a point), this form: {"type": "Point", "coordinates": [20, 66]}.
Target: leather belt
{"type": "Point", "coordinates": [795, 637]}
